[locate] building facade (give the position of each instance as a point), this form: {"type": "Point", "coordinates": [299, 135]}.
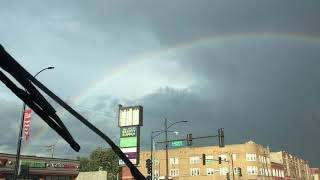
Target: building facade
{"type": "Point", "coordinates": [277, 171]}
{"type": "Point", "coordinates": [39, 168]}
{"type": "Point", "coordinates": [294, 167]}
{"type": "Point", "coordinates": [315, 173]}
{"type": "Point", "coordinates": [202, 162]}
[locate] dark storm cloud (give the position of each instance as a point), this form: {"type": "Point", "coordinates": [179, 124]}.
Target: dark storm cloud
{"type": "Point", "coordinates": [266, 91]}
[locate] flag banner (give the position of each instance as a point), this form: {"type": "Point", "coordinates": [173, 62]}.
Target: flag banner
{"type": "Point", "coordinates": [27, 120]}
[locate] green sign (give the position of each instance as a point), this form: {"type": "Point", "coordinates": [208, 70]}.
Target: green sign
{"type": "Point", "coordinates": [128, 142]}
{"type": "Point", "coordinates": [128, 131]}
{"type": "Point", "coordinates": [177, 143]}
{"type": "Point", "coordinates": [209, 161]}
{"type": "Point", "coordinates": [33, 164]}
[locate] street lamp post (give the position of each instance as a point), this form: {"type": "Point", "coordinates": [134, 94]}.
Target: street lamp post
{"type": "Point", "coordinates": [21, 129]}
{"type": "Point", "coordinates": [166, 139]}
{"type": "Point", "coordinates": [152, 143]}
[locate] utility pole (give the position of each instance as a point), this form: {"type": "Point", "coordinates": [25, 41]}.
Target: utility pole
{"type": "Point", "coordinates": [166, 139]}
{"type": "Point", "coordinates": [151, 154]}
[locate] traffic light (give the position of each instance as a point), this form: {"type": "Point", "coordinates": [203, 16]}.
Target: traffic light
{"type": "Point", "coordinates": [220, 159]}
{"type": "Point", "coordinates": [239, 172]}
{"type": "Point", "coordinates": [228, 176]}
{"type": "Point", "coordinates": [149, 166]}
{"type": "Point", "coordinates": [221, 137]}
{"type": "Point", "coordinates": [203, 159]}
{"type": "Point", "coordinates": [148, 178]}
{"type": "Point", "coordinates": [189, 139]}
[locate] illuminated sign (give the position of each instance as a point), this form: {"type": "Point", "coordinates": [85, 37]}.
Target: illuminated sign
{"type": "Point", "coordinates": [130, 116]}
{"type": "Point", "coordinates": [129, 131]}
{"type": "Point", "coordinates": [130, 120]}
{"type": "Point", "coordinates": [128, 142]}
{"type": "Point", "coordinates": [33, 164]}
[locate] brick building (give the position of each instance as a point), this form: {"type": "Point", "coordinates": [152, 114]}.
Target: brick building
{"type": "Point", "coordinates": [315, 173]}
{"type": "Point", "coordinates": [39, 168]}
{"type": "Point", "coordinates": [187, 162]}
{"type": "Point", "coordinates": [294, 167]}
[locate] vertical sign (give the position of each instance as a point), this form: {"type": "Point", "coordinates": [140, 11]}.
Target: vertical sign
{"type": "Point", "coordinates": [130, 120]}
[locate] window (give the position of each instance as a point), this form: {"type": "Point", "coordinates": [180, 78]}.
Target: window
{"type": "Point", "coordinates": [210, 171]}
{"type": "Point", "coordinates": [156, 173]}
{"type": "Point", "coordinates": [235, 171]}
{"type": "Point", "coordinates": [174, 160]}
{"type": "Point", "coordinates": [174, 172]}
{"type": "Point", "coordinates": [234, 157]}
{"type": "Point", "coordinates": [223, 171]}
{"type": "Point", "coordinates": [195, 172]}
{"type": "Point", "coordinates": [194, 159]}
{"type": "Point", "coordinates": [251, 157]}
{"type": "Point", "coordinates": [273, 172]}
{"type": "Point", "coordinates": [252, 170]}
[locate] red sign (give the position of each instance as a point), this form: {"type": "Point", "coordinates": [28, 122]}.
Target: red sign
{"type": "Point", "coordinates": [3, 162]}
{"type": "Point", "coordinates": [68, 166]}
{"type": "Point", "coordinates": [27, 120]}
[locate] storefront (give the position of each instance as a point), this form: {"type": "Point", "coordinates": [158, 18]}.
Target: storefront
{"type": "Point", "coordinates": [39, 168]}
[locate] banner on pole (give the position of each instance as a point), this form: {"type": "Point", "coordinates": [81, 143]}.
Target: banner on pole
{"type": "Point", "coordinates": [27, 120]}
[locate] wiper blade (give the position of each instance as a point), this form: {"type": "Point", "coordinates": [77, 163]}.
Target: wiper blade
{"type": "Point", "coordinates": [35, 100]}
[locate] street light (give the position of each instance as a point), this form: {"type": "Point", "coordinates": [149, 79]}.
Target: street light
{"type": "Point", "coordinates": [21, 129]}
{"type": "Point", "coordinates": [166, 131]}
{"type": "Point", "coordinates": [151, 148]}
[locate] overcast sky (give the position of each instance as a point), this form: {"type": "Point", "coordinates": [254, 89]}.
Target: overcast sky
{"type": "Point", "coordinates": [252, 67]}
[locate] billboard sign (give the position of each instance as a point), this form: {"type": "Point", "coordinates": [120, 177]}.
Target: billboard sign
{"type": "Point", "coordinates": [130, 120]}
{"type": "Point", "coordinates": [130, 116]}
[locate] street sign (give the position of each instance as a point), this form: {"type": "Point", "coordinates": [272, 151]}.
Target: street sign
{"type": "Point", "coordinates": [177, 143]}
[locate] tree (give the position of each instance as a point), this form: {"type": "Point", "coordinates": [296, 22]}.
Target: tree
{"type": "Point", "coordinates": [103, 158]}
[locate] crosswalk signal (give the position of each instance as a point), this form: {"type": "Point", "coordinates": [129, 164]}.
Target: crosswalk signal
{"type": "Point", "coordinates": [220, 159]}
{"type": "Point", "coordinates": [239, 172]}
{"type": "Point", "coordinates": [189, 139]}
{"type": "Point", "coordinates": [149, 166]}
{"type": "Point", "coordinates": [221, 137]}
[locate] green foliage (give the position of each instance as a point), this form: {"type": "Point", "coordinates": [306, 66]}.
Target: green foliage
{"type": "Point", "coordinates": [101, 157]}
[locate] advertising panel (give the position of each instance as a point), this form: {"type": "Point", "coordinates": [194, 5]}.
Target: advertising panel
{"type": "Point", "coordinates": [130, 120]}
{"type": "Point", "coordinates": [129, 131]}
{"type": "Point", "coordinates": [33, 164]}
{"type": "Point", "coordinates": [128, 142]}
{"type": "Point", "coordinates": [130, 116]}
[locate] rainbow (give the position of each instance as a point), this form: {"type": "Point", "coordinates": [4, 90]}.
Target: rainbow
{"type": "Point", "coordinates": [195, 43]}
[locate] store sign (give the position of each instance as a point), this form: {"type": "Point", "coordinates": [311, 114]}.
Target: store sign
{"type": "Point", "coordinates": [129, 131]}
{"type": "Point", "coordinates": [128, 142]}
{"type": "Point", "coordinates": [70, 166]}
{"type": "Point", "coordinates": [130, 120]}
{"type": "Point", "coordinates": [130, 116]}
{"type": "Point", "coordinates": [33, 164]}
{"type": "Point", "coordinates": [3, 162]}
